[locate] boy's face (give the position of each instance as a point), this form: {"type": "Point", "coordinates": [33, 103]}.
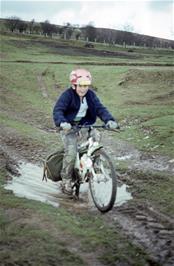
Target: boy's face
{"type": "Point", "coordinates": [81, 90]}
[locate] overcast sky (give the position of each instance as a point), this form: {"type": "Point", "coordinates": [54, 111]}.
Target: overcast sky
{"type": "Point", "coordinates": [150, 17]}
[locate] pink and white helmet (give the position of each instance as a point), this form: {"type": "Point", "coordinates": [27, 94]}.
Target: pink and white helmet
{"type": "Point", "coordinates": [80, 77]}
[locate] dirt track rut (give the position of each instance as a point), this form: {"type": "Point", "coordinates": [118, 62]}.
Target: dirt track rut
{"type": "Point", "coordinates": [146, 227]}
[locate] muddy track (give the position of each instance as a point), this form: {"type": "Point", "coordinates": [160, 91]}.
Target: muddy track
{"type": "Point", "coordinates": [148, 229]}
{"type": "Point", "coordinates": [91, 63]}
{"type": "Point", "coordinates": [143, 225]}
{"type": "Point", "coordinates": [62, 49]}
{"type": "Point", "coordinates": [42, 85]}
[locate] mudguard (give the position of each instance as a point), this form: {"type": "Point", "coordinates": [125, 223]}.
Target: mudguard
{"type": "Point", "coordinates": [93, 149]}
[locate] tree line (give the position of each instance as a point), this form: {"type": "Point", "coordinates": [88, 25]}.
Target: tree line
{"type": "Point", "coordinates": [88, 33]}
{"type": "Point", "coordinates": [67, 31]}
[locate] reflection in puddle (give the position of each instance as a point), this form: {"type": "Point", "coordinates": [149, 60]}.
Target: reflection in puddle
{"type": "Point", "coordinates": [29, 185]}
{"type": "Point", "coordinates": [122, 195]}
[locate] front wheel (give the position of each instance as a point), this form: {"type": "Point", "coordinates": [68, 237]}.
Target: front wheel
{"type": "Point", "coordinates": [103, 182]}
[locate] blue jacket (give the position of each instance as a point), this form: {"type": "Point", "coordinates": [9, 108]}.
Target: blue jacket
{"type": "Point", "coordinates": [68, 104]}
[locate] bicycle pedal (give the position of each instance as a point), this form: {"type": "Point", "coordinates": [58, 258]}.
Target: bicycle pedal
{"type": "Point", "coordinates": [86, 179]}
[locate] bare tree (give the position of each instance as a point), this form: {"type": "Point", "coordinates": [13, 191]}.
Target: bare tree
{"type": "Point", "coordinates": [31, 26]}
{"type": "Point", "coordinates": [90, 32]}
{"type": "Point", "coordinates": [67, 31]}
{"type": "Point", "coordinates": [37, 28]}
{"type": "Point", "coordinates": [77, 33]}
{"type": "Point", "coordinates": [12, 23]}
{"type": "Point", "coordinates": [22, 26]}
{"type": "Point", "coordinates": [47, 28]}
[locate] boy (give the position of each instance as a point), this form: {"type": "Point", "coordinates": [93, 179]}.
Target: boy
{"type": "Point", "coordinates": [78, 104]}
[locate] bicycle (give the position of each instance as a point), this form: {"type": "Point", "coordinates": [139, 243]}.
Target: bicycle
{"type": "Point", "coordinates": [93, 165]}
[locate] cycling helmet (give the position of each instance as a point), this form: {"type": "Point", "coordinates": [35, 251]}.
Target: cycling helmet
{"type": "Point", "coordinates": [80, 77]}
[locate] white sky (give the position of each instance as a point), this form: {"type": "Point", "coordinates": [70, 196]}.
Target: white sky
{"type": "Point", "coordinates": [150, 17]}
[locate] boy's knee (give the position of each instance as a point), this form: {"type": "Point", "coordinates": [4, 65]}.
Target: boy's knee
{"type": "Point", "coordinates": [70, 157]}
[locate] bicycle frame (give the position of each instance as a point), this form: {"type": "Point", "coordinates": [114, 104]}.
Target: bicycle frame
{"type": "Point", "coordinates": [89, 167]}
{"type": "Point", "coordinates": [84, 164]}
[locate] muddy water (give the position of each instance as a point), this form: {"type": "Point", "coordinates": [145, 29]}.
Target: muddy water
{"type": "Point", "coordinates": [30, 185]}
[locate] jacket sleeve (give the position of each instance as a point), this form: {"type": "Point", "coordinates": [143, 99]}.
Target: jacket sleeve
{"type": "Point", "coordinates": [60, 108]}
{"type": "Point", "coordinates": [101, 110]}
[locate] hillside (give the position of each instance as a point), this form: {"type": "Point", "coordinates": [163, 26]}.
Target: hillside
{"type": "Point", "coordinates": [131, 38]}
{"type": "Point", "coordinates": [137, 88]}
{"type": "Point", "coordinates": [89, 33]}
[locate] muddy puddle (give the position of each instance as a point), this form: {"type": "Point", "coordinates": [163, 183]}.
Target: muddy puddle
{"type": "Point", "coordinates": [29, 185]}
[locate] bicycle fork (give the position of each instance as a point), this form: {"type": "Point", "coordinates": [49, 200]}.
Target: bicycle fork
{"type": "Point", "coordinates": [84, 166]}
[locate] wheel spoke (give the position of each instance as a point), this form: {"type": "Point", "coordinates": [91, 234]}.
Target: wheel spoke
{"type": "Point", "coordinates": [103, 182]}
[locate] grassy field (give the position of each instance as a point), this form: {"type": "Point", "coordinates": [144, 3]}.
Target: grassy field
{"type": "Point", "coordinates": [58, 236]}
{"type": "Point", "coordinates": [140, 97]}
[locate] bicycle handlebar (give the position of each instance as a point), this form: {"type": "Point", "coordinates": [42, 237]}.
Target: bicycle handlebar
{"type": "Point", "coordinates": [95, 126]}
{"type": "Point", "coordinates": [76, 126]}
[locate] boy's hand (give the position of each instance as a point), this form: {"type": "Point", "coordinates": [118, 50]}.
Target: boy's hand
{"type": "Point", "coordinates": [112, 124]}
{"type": "Point", "coordinates": [65, 126]}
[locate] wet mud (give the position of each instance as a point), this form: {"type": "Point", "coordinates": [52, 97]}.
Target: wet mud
{"type": "Point", "coordinates": [141, 222]}
{"type": "Point", "coordinates": [148, 229]}
{"type": "Point", "coordinates": [28, 184]}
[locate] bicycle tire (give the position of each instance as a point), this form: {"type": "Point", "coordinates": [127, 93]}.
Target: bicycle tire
{"type": "Point", "coordinates": [102, 155]}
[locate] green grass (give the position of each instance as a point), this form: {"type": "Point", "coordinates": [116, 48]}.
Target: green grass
{"type": "Point", "coordinates": [143, 96]}
{"type": "Point", "coordinates": [24, 244]}
{"type": "Point", "coordinates": [143, 106]}
{"type": "Point", "coordinates": [36, 243]}
{"type": "Point", "coordinates": [150, 137]}
{"type": "Point", "coordinates": [22, 81]}
{"type": "Point", "coordinates": [156, 188]}
{"type": "Point", "coordinates": [39, 48]}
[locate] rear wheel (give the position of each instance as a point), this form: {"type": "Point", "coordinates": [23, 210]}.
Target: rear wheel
{"type": "Point", "coordinates": [103, 183]}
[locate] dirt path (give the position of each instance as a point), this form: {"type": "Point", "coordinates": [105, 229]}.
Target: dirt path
{"type": "Point", "coordinates": [92, 63]}
{"type": "Point", "coordinates": [141, 222]}
{"type": "Point", "coordinates": [120, 150]}
{"type": "Point", "coordinates": [42, 85]}
{"type": "Point", "coordinates": [145, 226]}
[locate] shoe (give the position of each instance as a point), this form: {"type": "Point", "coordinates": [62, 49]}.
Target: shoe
{"type": "Point", "coordinates": [66, 187]}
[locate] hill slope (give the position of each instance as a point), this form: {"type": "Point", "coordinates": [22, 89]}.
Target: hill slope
{"type": "Point", "coordinates": [34, 72]}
